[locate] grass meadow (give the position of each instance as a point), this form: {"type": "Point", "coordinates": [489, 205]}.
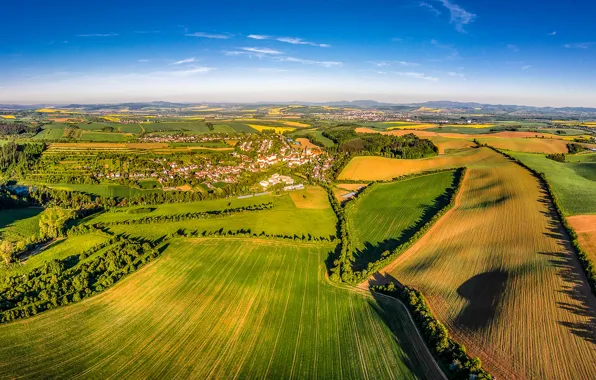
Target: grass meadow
{"type": "Point", "coordinates": [499, 272]}
{"type": "Point", "coordinates": [222, 308]}
{"type": "Point", "coordinates": [19, 223]}
{"type": "Point", "coordinates": [288, 217]}
{"type": "Point", "coordinates": [388, 214]}
{"type": "Point", "coordinates": [574, 182]}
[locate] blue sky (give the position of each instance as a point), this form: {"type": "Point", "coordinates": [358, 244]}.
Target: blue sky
{"type": "Point", "coordinates": [514, 52]}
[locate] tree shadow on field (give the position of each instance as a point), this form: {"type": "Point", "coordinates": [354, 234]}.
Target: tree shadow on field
{"type": "Point", "coordinates": [484, 293]}
{"type": "Point", "coordinates": [388, 309]}
{"type": "Point", "coordinates": [568, 268]}
{"type": "Point", "coordinates": [371, 253]}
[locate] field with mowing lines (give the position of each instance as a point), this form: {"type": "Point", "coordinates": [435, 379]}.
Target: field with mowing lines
{"type": "Point", "coordinates": [529, 145]}
{"type": "Point", "coordinates": [285, 218]}
{"type": "Point", "coordinates": [388, 214]}
{"type": "Point", "coordinates": [222, 308]}
{"type": "Point", "coordinates": [371, 168]}
{"type": "Point", "coordinates": [585, 227]}
{"type": "Point", "coordinates": [50, 134]}
{"type": "Point", "coordinates": [105, 136]}
{"type": "Point", "coordinates": [499, 272]}
{"type": "Point", "coordinates": [574, 182]}
{"type": "Point", "coordinates": [19, 223]}
{"type": "Point", "coordinates": [312, 197]}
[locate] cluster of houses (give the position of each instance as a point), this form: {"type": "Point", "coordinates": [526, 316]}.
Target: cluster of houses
{"type": "Point", "coordinates": [276, 179]}
{"type": "Point", "coordinates": [254, 155]}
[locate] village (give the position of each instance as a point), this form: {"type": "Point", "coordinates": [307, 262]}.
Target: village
{"type": "Point", "coordinates": [254, 155]}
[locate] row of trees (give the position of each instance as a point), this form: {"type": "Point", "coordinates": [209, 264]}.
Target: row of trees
{"type": "Point", "coordinates": [436, 334]}
{"type": "Point", "coordinates": [18, 158]}
{"type": "Point", "coordinates": [575, 148]}
{"type": "Point", "coordinates": [559, 157]}
{"type": "Point", "coordinates": [61, 282]}
{"type": "Point", "coordinates": [192, 215]}
{"type": "Point", "coordinates": [248, 233]}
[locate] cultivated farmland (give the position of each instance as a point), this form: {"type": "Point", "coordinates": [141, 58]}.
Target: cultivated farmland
{"type": "Point", "coordinates": [237, 308]}
{"type": "Point", "coordinates": [499, 272]}
{"type": "Point", "coordinates": [573, 182]}
{"type": "Point", "coordinates": [388, 214]}
{"type": "Point", "coordinates": [585, 227]}
{"type": "Point", "coordinates": [372, 168]}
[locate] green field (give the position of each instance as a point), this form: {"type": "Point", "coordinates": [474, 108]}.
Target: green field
{"type": "Point", "coordinates": [317, 135]}
{"type": "Point", "coordinates": [104, 136]}
{"type": "Point", "coordinates": [50, 134]}
{"type": "Point", "coordinates": [221, 308]}
{"type": "Point", "coordinates": [103, 190]}
{"type": "Point", "coordinates": [388, 214]}
{"type": "Point", "coordinates": [463, 130]}
{"type": "Point", "coordinates": [60, 249]}
{"type": "Point", "coordinates": [573, 182]}
{"type": "Point", "coordinates": [20, 223]}
{"type": "Point", "coordinates": [285, 218]}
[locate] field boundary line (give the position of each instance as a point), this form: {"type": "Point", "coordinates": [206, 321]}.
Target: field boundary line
{"type": "Point", "coordinates": [367, 294]}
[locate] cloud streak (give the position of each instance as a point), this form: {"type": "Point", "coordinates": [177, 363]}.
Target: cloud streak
{"type": "Point", "coordinates": [261, 50]}
{"type": "Point", "coordinates": [183, 61]}
{"type": "Point", "coordinates": [289, 40]}
{"type": "Point", "coordinates": [389, 63]}
{"type": "Point", "coordinates": [98, 35]}
{"type": "Point", "coordinates": [208, 35]}
{"type": "Point", "coordinates": [459, 16]}
{"type": "Point", "coordinates": [415, 75]}
{"type": "Point", "coordinates": [430, 8]}
{"type": "Point", "coordinates": [327, 64]}
{"type": "Point", "coordinates": [580, 45]}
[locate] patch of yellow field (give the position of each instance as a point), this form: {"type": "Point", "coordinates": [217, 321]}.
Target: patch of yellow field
{"type": "Point", "coordinates": [47, 110]}
{"type": "Point", "coordinates": [275, 111]}
{"type": "Point", "coordinates": [372, 168]}
{"type": "Point", "coordinates": [352, 186]}
{"type": "Point", "coordinates": [113, 119]}
{"type": "Point", "coordinates": [305, 143]}
{"type": "Point", "coordinates": [231, 142]}
{"type": "Point", "coordinates": [8, 116]}
{"type": "Point", "coordinates": [585, 227]}
{"type": "Point", "coordinates": [528, 145]}
{"type": "Point", "coordinates": [296, 124]}
{"type": "Point", "coordinates": [184, 188]}
{"type": "Point", "coordinates": [312, 197]}
{"type": "Point", "coordinates": [209, 109]}
{"type": "Point", "coordinates": [262, 128]}
{"type": "Point", "coordinates": [475, 126]}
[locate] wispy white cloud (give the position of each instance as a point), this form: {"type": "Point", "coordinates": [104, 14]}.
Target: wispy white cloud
{"type": "Point", "coordinates": [455, 74]}
{"type": "Point", "coordinates": [389, 63]}
{"type": "Point", "coordinates": [414, 75]}
{"type": "Point", "coordinates": [459, 16]}
{"type": "Point", "coordinates": [261, 50]}
{"type": "Point", "coordinates": [187, 60]}
{"type": "Point", "coordinates": [580, 45]}
{"type": "Point", "coordinates": [146, 31]}
{"type": "Point", "coordinates": [453, 52]}
{"type": "Point", "coordinates": [208, 35]}
{"type": "Point", "coordinates": [526, 67]}
{"type": "Point", "coordinates": [98, 35]}
{"type": "Point", "coordinates": [259, 37]}
{"type": "Point", "coordinates": [327, 64]}
{"type": "Point", "coordinates": [430, 8]}
{"type": "Point", "coordinates": [289, 40]}
{"type": "Point", "coordinates": [512, 47]}
{"type": "Point", "coordinates": [186, 72]}
{"type": "Point", "coordinates": [554, 33]}
{"type": "Point", "coordinates": [143, 60]}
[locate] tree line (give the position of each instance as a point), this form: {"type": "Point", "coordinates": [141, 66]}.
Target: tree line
{"type": "Point", "coordinates": [61, 282]}
{"type": "Point", "coordinates": [248, 233]}
{"type": "Point", "coordinates": [191, 215]}
{"type": "Point", "coordinates": [436, 334]}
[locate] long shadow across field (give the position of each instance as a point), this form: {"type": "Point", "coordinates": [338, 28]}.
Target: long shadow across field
{"type": "Point", "coordinates": [371, 253]}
